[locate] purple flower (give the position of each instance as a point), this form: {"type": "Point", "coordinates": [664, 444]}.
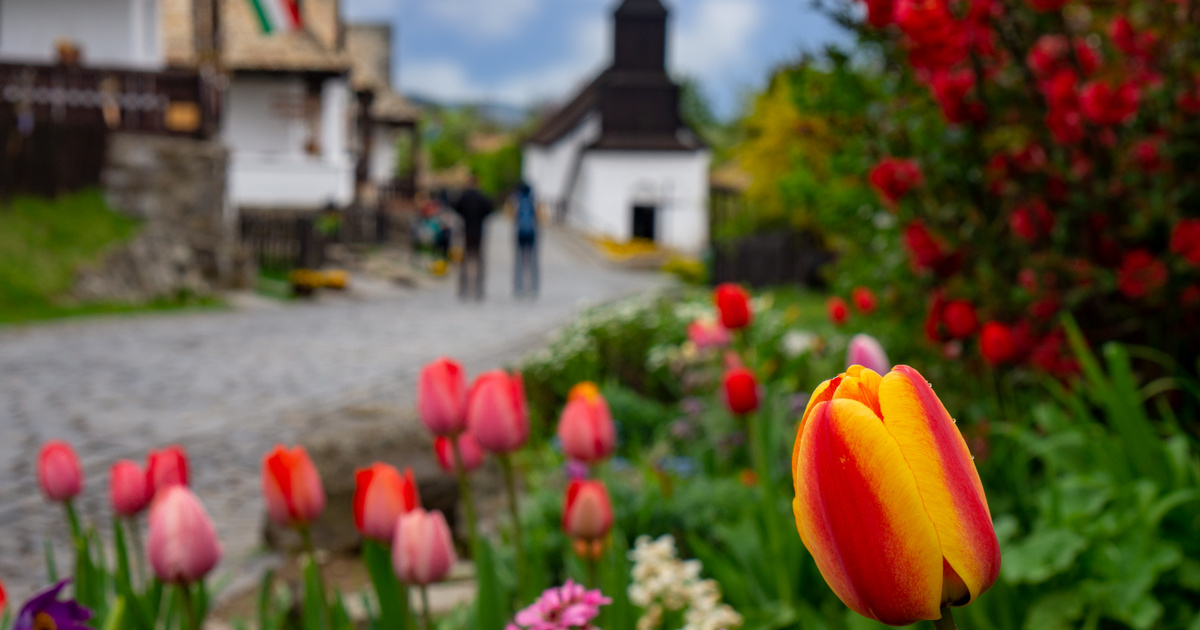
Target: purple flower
{"type": "Point", "coordinates": [45, 611]}
{"type": "Point", "coordinates": [567, 607]}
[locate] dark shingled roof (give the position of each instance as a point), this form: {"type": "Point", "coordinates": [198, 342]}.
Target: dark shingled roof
{"type": "Point", "coordinates": [561, 122]}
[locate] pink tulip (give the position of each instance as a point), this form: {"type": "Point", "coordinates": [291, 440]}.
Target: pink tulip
{"type": "Point", "coordinates": [587, 510]}
{"type": "Point", "coordinates": [866, 351]}
{"type": "Point", "coordinates": [166, 467]}
{"type": "Point", "coordinates": [183, 544]}
{"type": "Point", "coordinates": [58, 471]}
{"type": "Point", "coordinates": [468, 449]}
{"type": "Point", "coordinates": [423, 551]}
{"type": "Point", "coordinates": [496, 412]}
{"type": "Point", "coordinates": [442, 397]}
{"type": "Point", "coordinates": [586, 426]}
{"type": "Point", "coordinates": [708, 333]}
{"type": "Point", "coordinates": [128, 490]}
{"type": "Point", "coordinates": [381, 495]}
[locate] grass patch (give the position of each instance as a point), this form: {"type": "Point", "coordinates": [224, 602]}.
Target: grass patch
{"type": "Point", "coordinates": [43, 242]}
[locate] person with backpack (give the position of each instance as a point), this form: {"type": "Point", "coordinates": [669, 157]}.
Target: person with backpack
{"type": "Point", "coordinates": [527, 228]}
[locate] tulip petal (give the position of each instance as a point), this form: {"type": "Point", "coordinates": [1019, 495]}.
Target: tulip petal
{"type": "Point", "coordinates": [861, 384]}
{"type": "Point", "coordinates": [949, 484]}
{"type": "Point", "coordinates": [857, 503]}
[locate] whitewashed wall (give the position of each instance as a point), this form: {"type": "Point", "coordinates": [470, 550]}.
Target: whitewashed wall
{"type": "Point", "coordinates": [266, 130]}
{"type": "Point", "coordinates": [382, 168]}
{"type": "Point", "coordinates": [122, 33]}
{"type": "Point", "coordinates": [548, 169]}
{"type": "Point", "coordinates": [611, 182]}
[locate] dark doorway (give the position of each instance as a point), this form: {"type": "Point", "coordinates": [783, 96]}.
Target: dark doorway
{"type": "Point", "coordinates": [643, 222]}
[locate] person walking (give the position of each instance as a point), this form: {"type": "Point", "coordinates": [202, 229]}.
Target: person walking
{"type": "Point", "coordinates": [527, 229]}
{"type": "Point", "coordinates": [474, 207]}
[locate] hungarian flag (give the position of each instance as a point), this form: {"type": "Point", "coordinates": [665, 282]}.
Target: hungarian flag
{"type": "Point", "coordinates": [276, 16]}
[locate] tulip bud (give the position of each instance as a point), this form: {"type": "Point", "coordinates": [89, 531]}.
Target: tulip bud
{"type": "Point", "coordinates": [422, 551]}
{"type": "Point", "coordinates": [58, 471]}
{"type": "Point", "coordinates": [496, 412]}
{"type": "Point", "coordinates": [741, 391]}
{"type": "Point", "coordinates": [128, 489]}
{"type": "Point", "coordinates": [292, 487]}
{"type": "Point", "coordinates": [468, 449]}
{"type": "Point", "coordinates": [586, 426]}
{"type": "Point", "coordinates": [866, 351]}
{"type": "Point", "coordinates": [888, 501]}
{"type": "Point", "coordinates": [733, 304]}
{"type": "Point", "coordinates": [587, 510]}
{"type": "Point", "coordinates": [864, 300]}
{"type": "Point", "coordinates": [838, 311]}
{"type": "Point", "coordinates": [442, 397]}
{"type": "Point", "coordinates": [707, 333]}
{"type": "Point", "coordinates": [183, 545]}
{"type": "Point", "coordinates": [381, 496]}
{"type": "Point", "coordinates": [166, 467]}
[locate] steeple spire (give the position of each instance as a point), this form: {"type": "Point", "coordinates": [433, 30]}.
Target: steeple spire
{"type": "Point", "coordinates": [641, 36]}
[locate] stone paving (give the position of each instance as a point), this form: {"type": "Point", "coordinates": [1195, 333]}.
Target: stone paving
{"type": "Point", "coordinates": [227, 385]}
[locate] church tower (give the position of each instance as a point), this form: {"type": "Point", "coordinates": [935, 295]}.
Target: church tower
{"type": "Point", "coordinates": [641, 36]}
{"type": "Point", "coordinates": [639, 104]}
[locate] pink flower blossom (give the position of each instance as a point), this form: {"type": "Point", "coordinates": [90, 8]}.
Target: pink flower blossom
{"type": "Point", "coordinates": [561, 608]}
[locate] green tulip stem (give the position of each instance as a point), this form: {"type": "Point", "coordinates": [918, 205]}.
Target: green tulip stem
{"type": "Point", "coordinates": [946, 622]}
{"type": "Point", "coordinates": [464, 489]}
{"type": "Point", "coordinates": [189, 607]}
{"type": "Point", "coordinates": [593, 566]}
{"type": "Point", "coordinates": [759, 461]}
{"type": "Point", "coordinates": [73, 521]}
{"type": "Point", "coordinates": [510, 484]}
{"type": "Point", "coordinates": [139, 550]}
{"type": "Point", "coordinates": [426, 614]}
{"type": "Point", "coordinates": [311, 550]}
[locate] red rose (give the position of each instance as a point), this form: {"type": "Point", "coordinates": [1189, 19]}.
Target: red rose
{"type": "Point", "coordinates": [1047, 5]}
{"type": "Point", "coordinates": [1050, 55]}
{"type": "Point", "coordinates": [864, 300]}
{"type": "Point", "coordinates": [892, 178]}
{"type": "Point", "coordinates": [881, 13]}
{"type": "Point", "coordinates": [1129, 41]}
{"type": "Point", "coordinates": [996, 343]}
{"type": "Point", "coordinates": [1189, 100]}
{"type": "Point", "coordinates": [950, 89]}
{"type": "Point", "coordinates": [1105, 105]}
{"type": "Point", "coordinates": [838, 311]}
{"type": "Point", "coordinates": [1050, 354]}
{"type": "Point", "coordinates": [1185, 240]}
{"type": "Point", "coordinates": [1031, 221]}
{"type": "Point", "coordinates": [924, 251]}
{"type": "Point", "coordinates": [960, 319]}
{"type": "Point", "coordinates": [1140, 274]}
{"type": "Point", "coordinates": [1147, 154]}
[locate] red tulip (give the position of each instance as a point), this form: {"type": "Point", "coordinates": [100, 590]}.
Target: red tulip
{"type": "Point", "coordinates": [996, 343]}
{"type": "Point", "coordinates": [741, 391]}
{"type": "Point", "coordinates": [864, 300]}
{"type": "Point", "coordinates": [496, 412]}
{"type": "Point", "coordinates": [888, 500]}
{"type": "Point", "coordinates": [422, 550]}
{"type": "Point", "coordinates": [166, 467]}
{"type": "Point", "coordinates": [838, 311]}
{"type": "Point", "coordinates": [468, 449]}
{"type": "Point", "coordinates": [960, 318]}
{"type": "Point", "coordinates": [587, 510]}
{"type": "Point", "coordinates": [381, 496]}
{"type": "Point", "coordinates": [58, 471]}
{"type": "Point", "coordinates": [291, 486]}
{"type": "Point", "coordinates": [586, 427]}
{"type": "Point", "coordinates": [707, 333]}
{"type": "Point", "coordinates": [183, 544]}
{"type": "Point", "coordinates": [442, 397]}
{"type": "Point", "coordinates": [733, 304]}
{"type": "Point", "coordinates": [128, 488]}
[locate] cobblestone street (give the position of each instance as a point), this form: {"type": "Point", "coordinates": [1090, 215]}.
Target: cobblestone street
{"type": "Point", "coordinates": [229, 384]}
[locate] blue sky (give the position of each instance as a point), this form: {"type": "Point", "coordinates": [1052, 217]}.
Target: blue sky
{"type": "Point", "coordinates": [527, 52]}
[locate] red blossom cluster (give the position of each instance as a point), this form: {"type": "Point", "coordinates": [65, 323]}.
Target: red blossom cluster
{"type": "Point", "coordinates": [1082, 126]}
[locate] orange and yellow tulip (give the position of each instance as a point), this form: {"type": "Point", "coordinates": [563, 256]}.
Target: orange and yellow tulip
{"type": "Point", "coordinates": [888, 500]}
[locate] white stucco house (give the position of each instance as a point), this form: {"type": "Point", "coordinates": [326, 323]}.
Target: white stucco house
{"type": "Point", "coordinates": [287, 117]}
{"type": "Point", "coordinates": [114, 33]}
{"type": "Point", "coordinates": [618, 161]}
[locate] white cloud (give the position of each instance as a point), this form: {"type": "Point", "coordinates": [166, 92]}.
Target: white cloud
{"type": "Point", "coordinates": [492, 19]}
{"type": "Point", "coordinates": [714, 39]}
{"type": "Point", "coordinates": [448, 80]}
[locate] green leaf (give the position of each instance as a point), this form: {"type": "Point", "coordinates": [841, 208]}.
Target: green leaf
{"type": "Point", "coordinates": [115, 620]}
{"type": "Point", "coordinates": [491, 613]}
{"type": "Point", "coordinates": [51, 564]}
{"type": "Point", "coordinates": [1056, 611]}
{"type": "Point", "coordinates": [314, 605]}
{"type": "Point", "coordinates": [1042, 555]}
{"type": "Point", "coordinates": [265, 600]}
{"type": "Point", "coordinates": [392, 595]}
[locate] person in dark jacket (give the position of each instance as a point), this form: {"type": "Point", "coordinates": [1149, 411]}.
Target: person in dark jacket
{"type": "Point", "coordinates": [474, 207]}
{"type": "Point", "coordinates": [527, 229]}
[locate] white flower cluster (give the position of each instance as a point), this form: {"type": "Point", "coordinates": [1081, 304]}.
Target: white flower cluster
{"type": "Point", "coordinates": [663, 583]}
{"type": "Point", "coordinates": [576, 338]}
